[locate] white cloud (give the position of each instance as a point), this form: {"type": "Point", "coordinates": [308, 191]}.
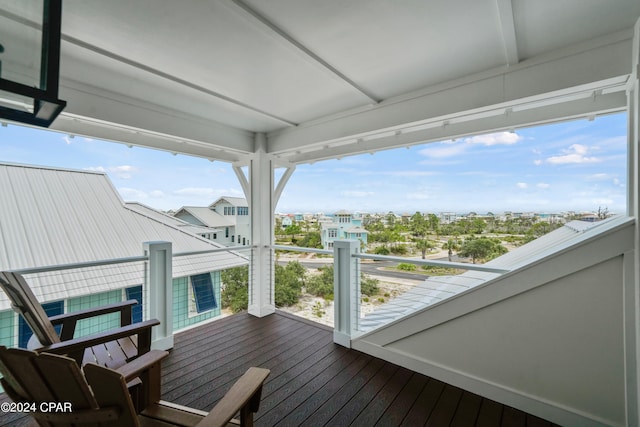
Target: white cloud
{"type": "Point", "coordinates": [357, 194]}
{"type": "Point", "coordinates": [410, 173]}
{"type": "Point", "coordinates": [543, 185]}
{"type": "Point", "coordinates": [599, 177]}
{"type": "Point", "coordinates": [522, 185]}
{"type": "Point", "coordinates": [442, 150]}
{"type": "Point", "coordinates": [96, 169]}
{"type": "Point", "coordinates": [197, 192]}
{"type": "Point", "coordinates": [417, 196]}
{"type": "Point", "coordinates": [499, 138]}
{"type": "Point", "coordinates": [576, 153]}
{"type": "Point", "coordinates": [122, 172]}
{"type": "Point", "coordinates": [157, 194]}
{"type": "Point", "coordinates": [130, 194]}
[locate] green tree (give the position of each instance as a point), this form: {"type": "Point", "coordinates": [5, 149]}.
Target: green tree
{"type": "Point", "coordinates": [289, 280]}
{"type": "Point", "coordinates": [423, 245]}
{"type": "Point", "coordinates": [418, 225]}
{"type": "Point", "coordinates": [235, 288]}
{"type": "Point", "coordinates": [368, 285]}
{"type": "Point", "coordinates": [321, 285]}
{"type": "Point", "coordinates": [451, 245]}
{"type": "Point", "coordinates": [311, 240]}
{"type": "Point", "coordinates": [481, 248]}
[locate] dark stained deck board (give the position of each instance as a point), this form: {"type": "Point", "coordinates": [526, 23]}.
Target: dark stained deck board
{"type": "Point", "coordinates": [313, 381]}
{"type": "Point", "coordinates": [402, 403]}
{"type": "Point", "coordinates": [467, 411]}
{"type": "Point", "coordinates": [445, 408]}
{"type": "Point", "coordinates": [424, 404]}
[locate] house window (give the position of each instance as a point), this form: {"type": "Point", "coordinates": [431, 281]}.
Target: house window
{"type": "Point", "coordinates": [25, 332]}
{"type": "Point", "coordinates": [333, 233]}
{"type": "Point", "coordinates": [243, 210]}
{"type": "Point", "coordinates": [215, 236]}
{"type": "Point", "coordinates": [225, 210]}
{"type": "Point", "coordinates": [244, 241]}
{"type": "Point", "coordinates": [232, 237]}
{"type": "Point", "coordinates": [135, 292]}
{"type": "Point", "coordinates": [226, 232]}
{"type": "Point", "coordinates": [202, 288]}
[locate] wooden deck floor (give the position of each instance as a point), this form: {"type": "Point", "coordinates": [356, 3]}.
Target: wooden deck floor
{"type": "Point", "coordinates": [313, 381]}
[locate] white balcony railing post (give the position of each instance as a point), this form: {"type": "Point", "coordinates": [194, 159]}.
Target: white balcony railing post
{"type": "Point", "coordinates": [159, 294]}
{"type": "Point", "coordinates": [346, 290]}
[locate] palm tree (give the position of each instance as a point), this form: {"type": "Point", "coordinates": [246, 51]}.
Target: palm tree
{"type": "Point", "coordinates": [424, 245]}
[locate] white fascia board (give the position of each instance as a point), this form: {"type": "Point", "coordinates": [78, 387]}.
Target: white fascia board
{"type": "Point", "coordinates": [602, 104]}
{"type": "Point", "coordinates": [96, 113]}
{"type": "Point", "coordinates": [559, 73]}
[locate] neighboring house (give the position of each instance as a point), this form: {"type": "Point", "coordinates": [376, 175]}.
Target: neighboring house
{"type": "Point", "coordinates": [287, 221]}
{"type": "Point", "coordinates": [448, 217]}
{"type": "Point", "coordinates": [344, 226]}
{"type": "Point", "coordinates": [236, 210]}
{"type": "Point", "coordinates": [54, 216]}
{"type": "Point", "coordinates": [226, 220]}
{"type": "Point", "coordinates": [213, 225]}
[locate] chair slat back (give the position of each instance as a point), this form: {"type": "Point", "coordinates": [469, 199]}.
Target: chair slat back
{"type": "Point", "coordinates": [25, 303]}
{"type": "Point", "coordinates": [110, 390]}
{"type": "Point", "coordinates": [37, 378]}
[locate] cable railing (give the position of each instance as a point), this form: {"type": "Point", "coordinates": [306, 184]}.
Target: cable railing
{"type": "Point", "coordinates": [70, 287]}
{"type": "Point", "coordinates": [397, 296]}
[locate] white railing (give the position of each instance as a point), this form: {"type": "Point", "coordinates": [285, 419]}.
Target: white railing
{"type": "Point", "coordinates": [153, 270]}
{"type": "Point", "coordinates": [349, 318]}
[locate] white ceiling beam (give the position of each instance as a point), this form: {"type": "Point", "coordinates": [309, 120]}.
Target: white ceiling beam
{"type": "Point", "coordinates": [508, 31]}
{"type": "Point", "coordinates": [151, 70]}
{"type": "Point", "coordinates": [98, 113]}
{"type": "Point", "coordinates": [577, 69]}
{"type": "Point", "coordinates": [451, 129]}
{"type": "Point", "coordinates": [272, 28]}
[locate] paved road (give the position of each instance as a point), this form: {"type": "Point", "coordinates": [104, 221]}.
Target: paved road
{"type": "Point", "coordinates": [373, 268]}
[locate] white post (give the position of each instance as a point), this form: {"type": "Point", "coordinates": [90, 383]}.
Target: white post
{"type": "Point", "coordinates": [261, 207]}
{"type": "Point", "coordinates": [632, 260]}
{"type": "Point", "coordinates": [346, 290]}
{"type": "Point", "coordinates": [159, 296]}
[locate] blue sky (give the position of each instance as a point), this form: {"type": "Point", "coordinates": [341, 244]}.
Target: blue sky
{"type": "Point", "coordinates": [577, 165]}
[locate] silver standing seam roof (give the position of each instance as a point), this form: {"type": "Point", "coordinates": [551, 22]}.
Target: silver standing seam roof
{"type": "Point", "coordinates": [52, 216]}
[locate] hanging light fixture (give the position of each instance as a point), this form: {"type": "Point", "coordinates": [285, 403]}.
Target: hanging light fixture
{"type": "Point", "coordinates": [32, 102]}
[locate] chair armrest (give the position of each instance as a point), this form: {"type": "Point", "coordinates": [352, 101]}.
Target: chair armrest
{"type": "Point", "coordinates": [75, 347]}
{"type": "Point", "coordinates": [134, 368]}
{"type": "Point", "coordinates": [244, 396]}
{"type": "Point", "coordinates": [69, 320]}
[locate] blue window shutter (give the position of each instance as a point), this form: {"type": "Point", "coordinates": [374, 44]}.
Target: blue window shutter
{"type": "Point", "coordinates": [203, 292]}
{"type": "Point", "coordinates": [25, 332]}
{"type": "Point", "coordinates": [135, 293]}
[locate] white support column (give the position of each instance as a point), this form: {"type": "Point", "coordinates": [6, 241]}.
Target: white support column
{"type": "Point", "coordinates": [346, 290]}
{"type": "Point", "coordinates": [632, 260]}
{"type": "Point", "coordinates": [159, 293]}
{"type": "Point", "coordinates": [261, 207]}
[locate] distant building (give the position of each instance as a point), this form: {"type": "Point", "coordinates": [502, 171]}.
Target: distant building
{"type": "Point", "coordinates": [448, 217]}
{"type": "Point", "coordinates": [344, 226]}
{"type": "Point", "coordinates": [225, 221]}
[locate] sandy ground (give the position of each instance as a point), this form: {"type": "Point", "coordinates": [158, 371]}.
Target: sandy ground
{"type": "Point", "coordinates": [321, 311]}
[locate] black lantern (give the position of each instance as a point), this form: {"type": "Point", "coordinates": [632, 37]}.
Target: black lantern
{"type": "Point", "coordinates": [29, 96]}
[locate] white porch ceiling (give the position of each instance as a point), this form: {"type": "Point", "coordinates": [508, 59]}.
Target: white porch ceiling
{"type": "Point", "coordinates": [327, 78]}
